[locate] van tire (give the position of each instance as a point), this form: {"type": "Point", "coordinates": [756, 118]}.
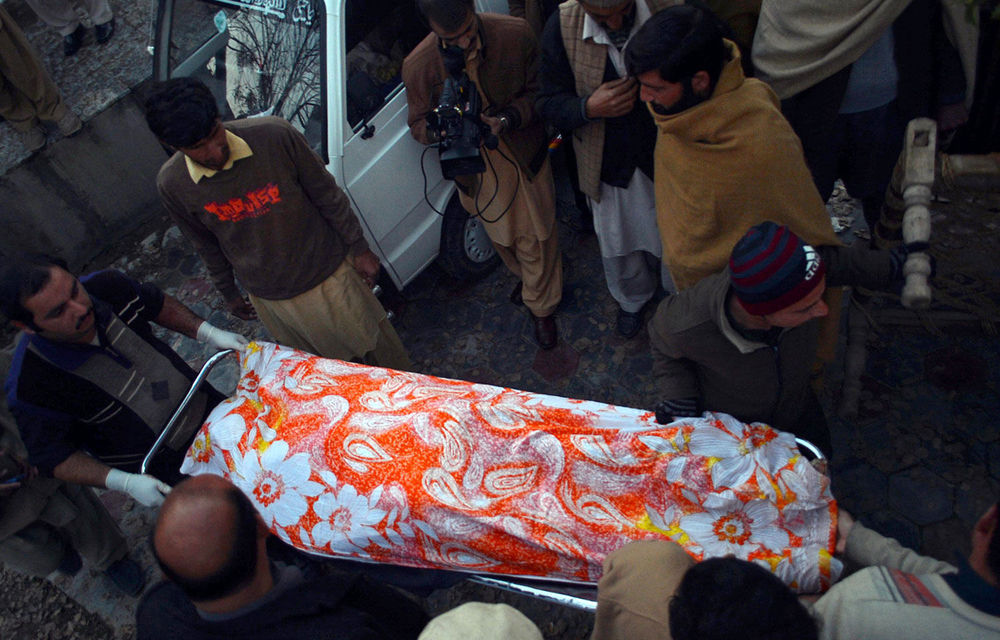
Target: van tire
{"type": "Point", "coordinates": [466, 250]}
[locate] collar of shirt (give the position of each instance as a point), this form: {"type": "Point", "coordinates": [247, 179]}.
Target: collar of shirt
{"type": "Point", "coordinates": [970, 587]}
{"type": "Point", "coordinates": [238, 149]}
{"type": "Point", "coordinates": [593, 31]}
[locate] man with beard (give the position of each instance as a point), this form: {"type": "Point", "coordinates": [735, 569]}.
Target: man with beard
{"type": "Point", "coordinates": [586, 90]}
{"type": "Point", "coordinates": [90, 386]}
{"type": "Point", "coordinates": [726, 159]}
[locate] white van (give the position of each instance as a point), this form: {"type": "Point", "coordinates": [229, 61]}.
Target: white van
{"type": "Point", "coordinates": [332, 68]}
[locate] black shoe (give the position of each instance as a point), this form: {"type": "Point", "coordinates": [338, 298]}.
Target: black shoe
{"type": "Point", "coordinates": [71, 562]}
{"type": "Point", "coordinates": [127, 576]}
{"type": "Point", "coordinates": [73, 42]}
{"type": "Point", "coordinates": [546, 334]}
{"type": "Point", "coordinates": [629, 323]}
{"type": "Point", "coordinates": [104, 31]}
{"type": "Point", "coordinates": [515, 295]}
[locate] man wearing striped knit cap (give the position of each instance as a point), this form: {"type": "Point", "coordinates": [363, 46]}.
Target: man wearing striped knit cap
{"type": "Point", "coordinates": [742, 341]}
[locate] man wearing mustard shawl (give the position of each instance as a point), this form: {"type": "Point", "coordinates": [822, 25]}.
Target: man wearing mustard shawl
{"type": "Point", "coordinates": [725, 157]}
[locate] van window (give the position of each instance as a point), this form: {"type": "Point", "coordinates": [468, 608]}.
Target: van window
{"type": "Point", "coordinates": [380, 33]}
{"type": "Point", "coordinates": [259, 58]}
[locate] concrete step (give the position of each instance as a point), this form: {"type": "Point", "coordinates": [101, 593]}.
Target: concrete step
{"type": "Point", "coordinates": [80, 193]}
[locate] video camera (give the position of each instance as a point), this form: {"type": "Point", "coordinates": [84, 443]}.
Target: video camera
{"type": "Point", "coordinates": [456, 119]}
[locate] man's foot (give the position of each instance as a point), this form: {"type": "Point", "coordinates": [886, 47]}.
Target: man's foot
{"type": "Point", "coordinates": [515, 295]}
{"type": "Point", "coordinates": [546, 334]}
{"type": "Point", "coordinates": [103, 32]}
{"type": "Point", "coordinates": [33, 139]}
{"type": "Point", "coordinates": [127, 576]}
{"type": "Point", "coordinates": [629, 323]}
{"type": "Point", "coordinates": [73, 42]}
{"type": "Point", "coordinates": [69, 124]}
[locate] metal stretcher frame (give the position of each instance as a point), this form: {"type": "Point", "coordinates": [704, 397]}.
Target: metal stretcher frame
{"type": "Point", "coordinates": [581, 597]}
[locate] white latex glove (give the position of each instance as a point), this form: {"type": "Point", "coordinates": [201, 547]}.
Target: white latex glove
{"type": "Point", "coordinates": [146, 489]}
{"type": "Point", "coordinates": [219, 338]}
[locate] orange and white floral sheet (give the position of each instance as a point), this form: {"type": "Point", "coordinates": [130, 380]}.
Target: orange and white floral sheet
{"type": "Point", "coordinates": [348, 460]}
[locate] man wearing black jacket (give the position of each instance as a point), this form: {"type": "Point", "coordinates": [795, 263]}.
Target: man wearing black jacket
{"type": "Point", "coordinates": [211, 544]}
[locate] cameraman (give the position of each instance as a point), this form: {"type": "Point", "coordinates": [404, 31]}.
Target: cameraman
{"type": "Point", "coordinates": [514, 196]}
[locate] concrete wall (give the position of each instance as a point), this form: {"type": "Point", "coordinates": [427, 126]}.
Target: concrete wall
{"type": "Point", "coordinates": [81, 194]}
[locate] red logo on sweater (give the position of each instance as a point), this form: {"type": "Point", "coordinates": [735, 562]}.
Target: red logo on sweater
{"type": "Point", "coordinates": [255, 203]}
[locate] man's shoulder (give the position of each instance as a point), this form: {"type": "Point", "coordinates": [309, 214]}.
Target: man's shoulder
{"type": "Point", "coordinates": [881, 587]}
{"type": "Point", "coordinates": [695, 306]}
{"type": "Point", "coordinates": [165, 611]}
{"type": "Point", "coordinates": [173, 168]}
{"type": "Point", "coordinates": [422, 54]}
{"type": "Point", "coordinates": [16, 369]}
{"type": "Point", "coordinates": [506, 26]}
{"type": "Point", "coordinates": [260, 125]}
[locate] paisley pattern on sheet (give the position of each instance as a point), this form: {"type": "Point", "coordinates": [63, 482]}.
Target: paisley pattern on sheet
{"type": "Point", "coordinates": [349, 460]}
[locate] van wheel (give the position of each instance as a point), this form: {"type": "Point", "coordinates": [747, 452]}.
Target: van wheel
{"type": "Point", "coordinates": [466, 251]}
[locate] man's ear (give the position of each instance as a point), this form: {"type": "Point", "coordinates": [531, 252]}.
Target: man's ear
{"type": "Point", "coordinates": [987, 524]}
{"type": "Point", "coordinates": [262, 530]}
{"type": "Point", "coordinates": [701, 82]}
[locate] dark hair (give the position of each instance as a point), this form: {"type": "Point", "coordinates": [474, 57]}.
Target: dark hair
{"type": "Point", "coordinates": [181, 111]}
{"type": "Point", "coordinates": [238, 569]}
{"type": "Point", "coordinates": [22, 278]}
{"type": "Point", "coordinates": [678, 41]}
{"type": "Point", "coordinates": [724, 598]}
{"type": "Point", "coordinates": [447, 14]}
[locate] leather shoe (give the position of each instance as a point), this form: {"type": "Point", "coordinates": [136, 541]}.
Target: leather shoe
{"type": "Point", "coordinates": [73, 42]}
{"type": "Point", "coordinates": [629, 323]}
{"type": "Point", "coordinates": [515, 295]}
{"type": "Point", "coordinates": [103, 32]}
{"type": "Point", "coordinates": [546, 334]}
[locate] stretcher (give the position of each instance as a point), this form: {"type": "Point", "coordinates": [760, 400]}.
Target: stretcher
{"type": "Point", "coordinates": [521, 491]}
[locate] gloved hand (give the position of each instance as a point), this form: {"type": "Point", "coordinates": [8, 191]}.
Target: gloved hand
{"type": "Point", "coordinates": [219, 338]}
{"type": "Point", "coordinates": [669, 410]}
{"type": "Point", "coordinates": [146, 489]}
{"type": "Point", "coordinates": [899, 253]}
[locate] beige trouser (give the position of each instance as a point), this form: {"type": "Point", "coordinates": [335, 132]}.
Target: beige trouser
{"type": "Point", "coordinates": [539, 266]}
{"type": "Point", "coordinates": [60, 15]}
{"type": "Point", "coordinates": [338, 318]}
{"type": "Point", "coordinates": [27, 93]}
{"type": "Point", "coordinates": [74, 516]}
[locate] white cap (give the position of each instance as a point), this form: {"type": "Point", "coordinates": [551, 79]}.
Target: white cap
{"type": "Point", "coordinates": [481, 621]}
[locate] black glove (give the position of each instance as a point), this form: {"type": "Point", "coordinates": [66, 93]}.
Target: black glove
{"type": "Point", "coordinates": [669, 410]}
{"type": "Point", "coordinates": [899, 253]}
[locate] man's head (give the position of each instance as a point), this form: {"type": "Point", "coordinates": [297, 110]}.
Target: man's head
{"type": "Point", "coordinates": [723, 598]}
{"type": "Point", "coordinates": [777, 277]}
{"type": "Point", "coordinates": [985, 556]}
{"type": "Point", "coordinates": [612, 15]}
{"type": "Point", "coordinates": [453, 21]}
{"type": "Point", "coordinates": [209, 540]}
{"type": "Point", "coordinates": [677, 57]}
{"type": "Point", "coordinates": [38, 295]}
{"type": "Point", "coordinates": [182, 113]}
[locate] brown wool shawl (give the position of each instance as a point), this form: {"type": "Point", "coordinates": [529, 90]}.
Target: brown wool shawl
{"type": "Point", "coordinates": [725, 165]}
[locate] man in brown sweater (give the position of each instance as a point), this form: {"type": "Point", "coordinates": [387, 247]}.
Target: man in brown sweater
{"type": "Point", "coordinates": [515, 196]}
{"type": "Point", "coordinates": [257, 202]}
